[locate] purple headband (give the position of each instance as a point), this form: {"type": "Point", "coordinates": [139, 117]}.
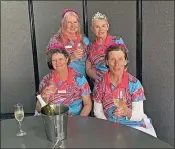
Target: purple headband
{"type": "Point", "coordinates": [69, 10]}
{"type": "Point", "coordinates": [120, 45]}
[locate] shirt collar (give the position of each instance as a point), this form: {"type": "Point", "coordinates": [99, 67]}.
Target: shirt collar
{"type": "Point", "coordinates": [69, 79]}
{"type": "Point", "coordinates": [123, 84]}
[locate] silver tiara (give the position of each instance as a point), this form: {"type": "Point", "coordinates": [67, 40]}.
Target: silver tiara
{"type": "Point", "coordinates": [99, 16]}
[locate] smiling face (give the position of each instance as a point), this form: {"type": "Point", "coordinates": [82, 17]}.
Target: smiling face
{"type": "Point", "coordinates": [71, 24]}
{"type": "Point", "coordinates": [59, 61]}
{"type": "Point", "coordinates": [100, 28]}
{"type": "Point", "coordinates": [116, 62]}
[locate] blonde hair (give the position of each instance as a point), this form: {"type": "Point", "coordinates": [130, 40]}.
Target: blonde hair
{"type": "Point", "coordinates": [62, 29]}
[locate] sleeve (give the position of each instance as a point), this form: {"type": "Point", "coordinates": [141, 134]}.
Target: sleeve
{"type": "Point", "coordinates": [97, 95]}
{"type": "Point", "coordinates": [44, 83]}
{"type": "Point", "coordinates": [83, 84]}
{"type": "Point", "coordinates": [137, 92]}
{"type": "Point", "coordinates": [86, 40]}
{"type": "Point", "coordinates": [98, 110]}
{"type": "Point", "coordinates": [137, 111]}
{"type": "Point", "coordinates": [54, 43]}
{"type": "Point", "coordinates": [119, 40]}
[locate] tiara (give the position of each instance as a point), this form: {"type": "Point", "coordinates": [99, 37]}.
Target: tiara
{"type": "Point", "coordinates": [99, 16]}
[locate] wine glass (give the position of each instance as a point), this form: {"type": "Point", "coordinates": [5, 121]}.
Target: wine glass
{"type": "Point", "coordinates": [19, 115]}
{"type": "Point", "coordinates": [120, 101]}
{"type": "Point", "coordinates": [80, 46]}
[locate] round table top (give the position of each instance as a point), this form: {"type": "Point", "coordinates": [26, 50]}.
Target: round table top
{"type": "Point", "coordinates": [83, 132]}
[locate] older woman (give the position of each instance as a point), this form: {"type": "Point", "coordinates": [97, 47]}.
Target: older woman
{"type": "Point", "coordinates": [70, 36]}
{"type": "Point", "coordinates": [95, 64]}
{"type": "Point", "coordinates": [119, 96]}
{"type": "Point", "coordinates": [65, 85]}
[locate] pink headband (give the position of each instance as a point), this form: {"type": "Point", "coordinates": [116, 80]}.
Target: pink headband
{"type": "Point", "coordinates": [69, 10]}
{"type": "Point", "coordinates": [120, 45]}
{"type": "Point", "coordinates": [55, 46]}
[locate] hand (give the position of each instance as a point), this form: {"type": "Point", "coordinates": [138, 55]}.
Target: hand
{"type": "Point", "coordinates": [70, 114]}
{"type": "Point", "coordinates": [121, 111]}
{"type": "Point", "coordinates": [47, 92]}
{"type": "Point", "coordinates": [77, 54]}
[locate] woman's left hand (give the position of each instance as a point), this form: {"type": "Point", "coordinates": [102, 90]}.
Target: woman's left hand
{"type": "Point", "coordinates": [121, 111]}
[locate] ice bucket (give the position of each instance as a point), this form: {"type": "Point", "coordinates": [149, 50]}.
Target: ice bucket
{"type": "Point", "coordinates": [56, 125]}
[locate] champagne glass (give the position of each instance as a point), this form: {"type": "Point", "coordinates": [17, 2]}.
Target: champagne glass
{"type": "Point", "coordinates": [19, 115]}
{"type": "Point", "coordinates": [120, 101]}
{"type": "Point", "coordinates": [80, 46]}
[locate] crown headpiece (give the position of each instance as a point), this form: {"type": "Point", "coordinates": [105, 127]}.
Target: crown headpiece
{"type": "Point", "coordinates": [99, 16]}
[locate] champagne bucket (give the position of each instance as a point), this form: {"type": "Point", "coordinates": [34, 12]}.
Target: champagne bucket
{"type": "Point", "coordinates": [56, 125]}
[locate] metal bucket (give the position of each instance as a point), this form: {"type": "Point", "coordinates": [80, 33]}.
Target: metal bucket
{"type": "Point", "coordinates": [56, 125]}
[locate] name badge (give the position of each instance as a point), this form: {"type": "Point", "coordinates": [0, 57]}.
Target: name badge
{"type": "Point", "coordinates": [62, 91]}
{"type": "Point", "coordinates": [68, 47]}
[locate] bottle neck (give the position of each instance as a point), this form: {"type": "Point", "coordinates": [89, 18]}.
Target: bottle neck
{"type": "Point", "coordinates": [42, 102]}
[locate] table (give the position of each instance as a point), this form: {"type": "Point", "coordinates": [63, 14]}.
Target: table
{"type": "Point", "coordinates": [83, 132]}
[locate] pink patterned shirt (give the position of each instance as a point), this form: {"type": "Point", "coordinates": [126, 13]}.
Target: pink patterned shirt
{"type": "Point", "coordinates": [104, 92]}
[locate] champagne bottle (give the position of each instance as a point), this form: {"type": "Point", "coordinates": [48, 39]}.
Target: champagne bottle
{"type": "Point", "coordinates": [46, 109]}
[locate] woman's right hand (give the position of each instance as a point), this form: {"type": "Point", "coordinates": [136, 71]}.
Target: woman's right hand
{"type": "Point", "coordinates": [47, 92]}
{"type": "Point", "coordinates": [77, 54]}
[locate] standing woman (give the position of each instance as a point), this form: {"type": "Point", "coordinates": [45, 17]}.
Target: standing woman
{"type": "Point", "coordinates": [70, 37]}
{"type": "Point", "coordinates": [95, 64]}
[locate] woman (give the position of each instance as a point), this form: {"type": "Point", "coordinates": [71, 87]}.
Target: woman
{"type": "Point", "coordinates": [65, 85]}
{"type": "Point", "coordinates": [95, 64]}
{"type": "Point", "coordinates": [119, 96]}
{"type": "Point", "coordinates": [70, 36]}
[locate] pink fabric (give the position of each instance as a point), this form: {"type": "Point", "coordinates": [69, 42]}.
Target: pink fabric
{"type": "Point", "coordinates": [69, 10]}
{"type": "Point", "coordinates": [103, 92]}
{"type": "Point", "coordinates": [56, 42]}
{"type": "Point", "coordinates": [120, 45]}
{"type": "Point", "coordinates": [73, 93]}
{"type": "Point", "coordinates": [97, 54]}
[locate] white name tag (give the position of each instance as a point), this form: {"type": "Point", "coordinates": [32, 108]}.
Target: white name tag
{"type": "Point", "coordinates": [68, 47]}
{"type": "Point", "coordinates": [62, 91]}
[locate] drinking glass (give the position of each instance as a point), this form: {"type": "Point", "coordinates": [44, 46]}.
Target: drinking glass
{"type": "Point", "coordinates": [120, 101]}
{"type": "Point", "coordinates": [80, 46]}
{"type": "Point", "coordinates": [19, 115]}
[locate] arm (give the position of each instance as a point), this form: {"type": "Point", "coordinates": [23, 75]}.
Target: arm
{"type": "Point", "coordinates": [46, 89]}
{"type": "Point", "coordinates": [89, 70]}
{"type": "Point", "coordinates": [87, 105]}
{"type": "Point", "coordinates": [137, 112]}
{"type": "Point", "coordinates": [98, 110]}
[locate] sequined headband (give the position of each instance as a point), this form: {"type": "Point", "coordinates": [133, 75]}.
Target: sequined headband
{"type": "Point", "coordinates": [99, 16]}
{"type": "Point", "coordinates": [69, 10]}
{"type": "Point", "coordinates": [120, 45]}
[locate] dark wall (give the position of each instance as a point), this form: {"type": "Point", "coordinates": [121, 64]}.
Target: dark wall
{"type": "Point", "coordinates": [47, 22]}
{"type": "Point", "coordinates": [122, 21]}
{"type": "Point", "coordinates": [17, 75]}
{"type": "Point", "coordinates": [158, 66]}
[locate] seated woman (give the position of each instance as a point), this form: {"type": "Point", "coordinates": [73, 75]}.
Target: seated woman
{"type": "Point", "coordinates": [70, 37]}
{"type": "Point", "coordinates": [64, 85]}
{"type": "Point", "coordinates": [119, 96]}
{"type": "Point", "coordinates": [95, 64]}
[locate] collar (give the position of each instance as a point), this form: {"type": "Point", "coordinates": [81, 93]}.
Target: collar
{"type": "Point", "coordinates": [108, 41]}
{"type": "Point", "coordinates": [123, 84]}
{"type": "Point", "coordinates": [69, 79]}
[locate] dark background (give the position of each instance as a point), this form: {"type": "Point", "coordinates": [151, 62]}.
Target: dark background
{"type": "Point", "coordinates": [17, 70]}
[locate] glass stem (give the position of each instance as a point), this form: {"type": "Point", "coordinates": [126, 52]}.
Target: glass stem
{"type": "Point", "coordinates": [20, 124]}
